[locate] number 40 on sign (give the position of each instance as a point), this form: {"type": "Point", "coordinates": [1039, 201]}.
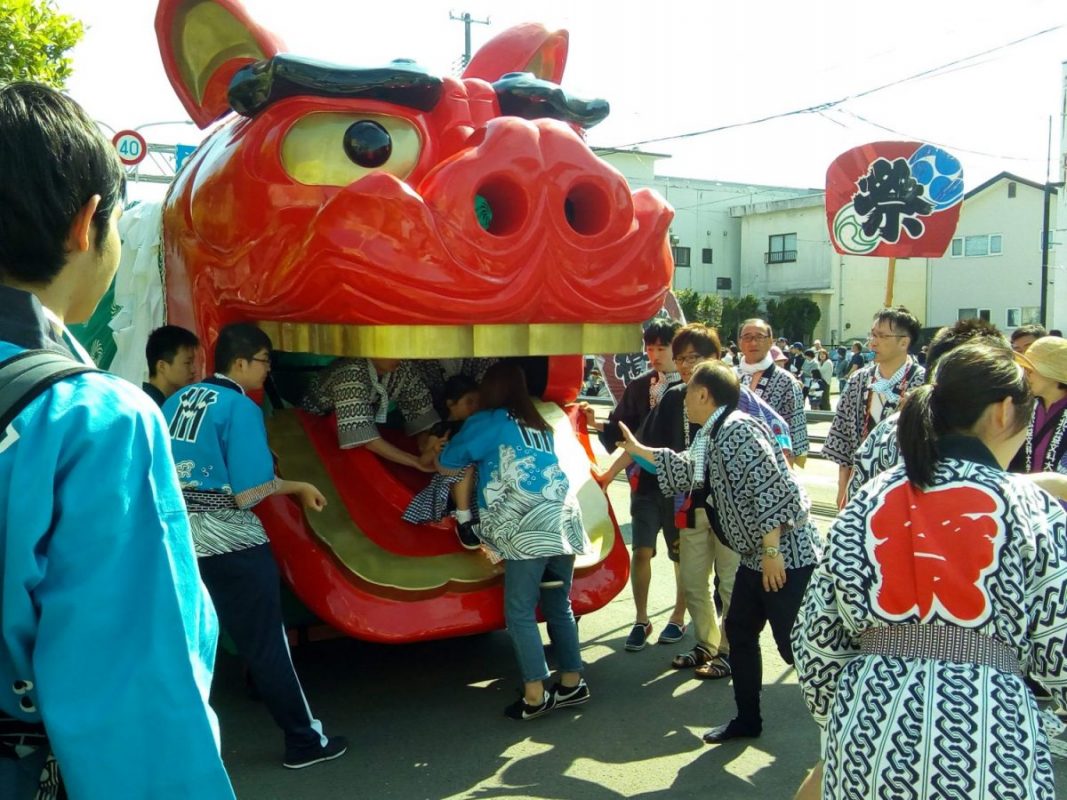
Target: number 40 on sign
{"type": "Point", "coordinates": [131, 147]}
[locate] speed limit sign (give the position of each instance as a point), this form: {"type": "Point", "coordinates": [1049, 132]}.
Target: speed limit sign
{"type": "Point", "coordinates": [131, 146]}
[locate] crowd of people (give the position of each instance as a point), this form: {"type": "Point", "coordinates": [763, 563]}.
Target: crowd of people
{"type": "Point", "coordinates": [924, 627]}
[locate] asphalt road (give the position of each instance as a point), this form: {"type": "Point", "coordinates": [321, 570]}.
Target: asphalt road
{"type": "Point", "coordinates": [425, 721]}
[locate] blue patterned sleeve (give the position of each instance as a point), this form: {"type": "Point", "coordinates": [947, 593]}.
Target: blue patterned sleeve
{"type": "Point", "coordinates": [674, 471]}
{"type": "Point", "coordinates": [1046, 593]}
{"type": "Point", "coordinates": [821, 644]}
{"type": "Point", "coordinates": [765, 497]}
{"type": "Point", "coordinates": [755, 406]}
{"type": "Point", "coordinates": [840, 445]}
{"type": "Point", "coordinates": [878, 453]}
{"type": "Point", "coordinates": [798, 422]}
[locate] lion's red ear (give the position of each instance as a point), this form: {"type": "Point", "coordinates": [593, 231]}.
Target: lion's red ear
{"type": "Point", "coordinates": [203, 43]}
{"type": "Point", "coordinates": [525, 48]}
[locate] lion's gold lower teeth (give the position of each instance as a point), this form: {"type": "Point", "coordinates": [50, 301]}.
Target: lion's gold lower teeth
{"type": "Point", "coordinates": [453, 341]}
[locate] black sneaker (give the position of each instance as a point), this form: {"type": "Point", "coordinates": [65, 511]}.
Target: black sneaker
{"type": "Point", "coordinates": [564, 696]}
{"type": "Point", "coordinates": [521, 710]}
{"type": "Point", "coordinates": [467, 537]}
{"type": "Point", "coordinates": [335, 747]}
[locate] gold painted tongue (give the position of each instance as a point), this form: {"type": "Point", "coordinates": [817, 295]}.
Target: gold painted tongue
{"type": "Point", "coordinates": [453, 341]}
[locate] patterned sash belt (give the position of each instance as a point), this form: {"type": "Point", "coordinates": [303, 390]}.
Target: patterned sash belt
{"type": "Point", "coordinates": [940, 642]}
{"type": "Point", "coordinates": [208, 501]}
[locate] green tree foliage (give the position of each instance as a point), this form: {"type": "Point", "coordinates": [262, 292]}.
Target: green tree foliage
{"type": "Point", "coordinates": [709, 310]}
{"type": "Point", "coordinates": [794, 318]}
{"type": "Point", "coordinates": [688, 300]}
{"type": "Point", "coordinates": [735, 311]}
{"type": "Point", "coordinates": [34, 40]}
{"type": "Point", "coordinates": [697, 307]}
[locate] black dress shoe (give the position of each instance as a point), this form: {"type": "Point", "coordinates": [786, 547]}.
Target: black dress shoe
{"type": "Point", "coordinates": [467, 537]}
{"type": "Point", "coordinates": [731, 730]}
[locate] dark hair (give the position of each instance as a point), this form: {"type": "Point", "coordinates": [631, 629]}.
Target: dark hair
{"type": "Point", "coordinates": [900, 319]}
{"type": "Point", "coordinates": [504, 386]}
{"type": "Point", "coordinates": [661, 331]}
{"type": "Point", "coordinates": [809, 353]}
{"type": "Point", "coordinates": [1056, 332]}
{"type": "Point", "coordinates": [841, 351]}
{"type": "Point", "coordinates": [164, 344]}
{"type": "Point", "coordinates": [1037, 331]}
{"type": "Point", "coordinates": [53, 160]}
{"type": "Point", "coordinates": [720, 381]}
{"type": "Point", "coordinates": [857, 346]}
{"type": "Point", "coordinates": [698, 336]}
{"type": "Point", "coordinates": [949, 338]}
{"type": "Point", "coordinates": [457, 387]}
{"type": "Point", "coordinates": [968, 380]}
{"type": "Point", "coordinates": [239, 340]}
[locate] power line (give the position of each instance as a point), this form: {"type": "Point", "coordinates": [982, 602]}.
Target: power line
{"type": "Point", "coordinates": [832, 104]}
{"type": "Point", "coordinates": [951, 147]}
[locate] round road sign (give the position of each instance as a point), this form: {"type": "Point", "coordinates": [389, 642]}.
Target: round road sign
{"type": "Point", "coordinates": [131, 146]}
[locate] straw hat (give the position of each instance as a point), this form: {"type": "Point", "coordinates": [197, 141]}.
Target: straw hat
{"type": "Point", "coordinates": [1047, 356]}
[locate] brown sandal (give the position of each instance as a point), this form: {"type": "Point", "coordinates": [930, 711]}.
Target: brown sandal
{"type": "Point", "coordinates": [713, 669]}
{"type": "Point", "coordinates": [694, 658]}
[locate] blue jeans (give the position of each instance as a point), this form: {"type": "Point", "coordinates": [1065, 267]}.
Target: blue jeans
{"type": "Point", "coordinates": [522, 591]}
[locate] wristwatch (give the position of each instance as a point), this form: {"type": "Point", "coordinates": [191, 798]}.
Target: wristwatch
{"type": "Point", "coordinates": [771, 552]}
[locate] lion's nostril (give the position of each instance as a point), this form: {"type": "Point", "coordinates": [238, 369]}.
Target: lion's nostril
{"type": "Point", "coordinates": [500, 206]}
{"type": "Point", "coordinates": [586, 209]}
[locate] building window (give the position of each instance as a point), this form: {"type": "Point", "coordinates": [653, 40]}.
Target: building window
{"type": "Point", "coordinates": [990, 244]}
{"type": "Point", "coordinates": [681, 256]}
{"type": "Point", "coordinates": [781, 248]}
{"type": "Point", "coordinates": [1026, 315]}
{"type": "Point", "coordinates": [974, 313]}
{"type": "Point", "coordinates": [706, 256]}
{"type": "Point", "coordinates": [1011, 189]}
{"type": "Point", "coordinates": [724, 283]}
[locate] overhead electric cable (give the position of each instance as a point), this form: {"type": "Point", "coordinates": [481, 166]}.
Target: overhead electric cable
{"type": "Point", "coordinates": [832, 104]}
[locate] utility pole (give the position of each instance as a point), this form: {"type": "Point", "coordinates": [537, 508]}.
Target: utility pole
{"type": "Point", "coordinates": [1045, 231]}
{"type": "Point", "coordinates": [467, 21]}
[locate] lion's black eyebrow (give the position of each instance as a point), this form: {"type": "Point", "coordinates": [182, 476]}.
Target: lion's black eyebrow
{"type": "Point", "coordinates": [256, 86]}
{"type": "Point", "coordinates": [522, 94]}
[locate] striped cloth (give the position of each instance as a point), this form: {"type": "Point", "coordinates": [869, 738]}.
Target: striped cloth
{"type": "Point", "coordinates": [218, 532]}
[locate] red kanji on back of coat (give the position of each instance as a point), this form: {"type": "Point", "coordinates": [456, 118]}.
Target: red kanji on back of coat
{"type": "Point", "coordinates": [932, 549]}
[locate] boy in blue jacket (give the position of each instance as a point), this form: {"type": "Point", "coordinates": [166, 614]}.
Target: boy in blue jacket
{"type": "Point", "coordinates": [225, 468]}
{"type": "Point", "coordinates": [107, 638]}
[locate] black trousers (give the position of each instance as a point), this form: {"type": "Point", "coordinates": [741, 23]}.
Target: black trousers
{"type": "Point", "coordinates": [244, 588]}
{"type": "Point", "coordinates": [750, 609]}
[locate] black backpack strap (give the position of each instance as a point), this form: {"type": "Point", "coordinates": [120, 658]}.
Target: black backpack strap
{"type": "Point", "coordinates": [25, 376]}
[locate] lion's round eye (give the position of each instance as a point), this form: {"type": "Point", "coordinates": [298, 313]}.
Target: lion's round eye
{"type": "Point", "coordinates": [367, 143]}
{"type": "Point", "coordinates": [330, 148]}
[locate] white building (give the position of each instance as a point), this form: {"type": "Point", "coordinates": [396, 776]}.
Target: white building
{"type": "Point", "coordinates": [772, 242]}
{"type": "Point", "coordinates": [705, 236]}
{"type": "Point", "coordinates": [993, 268]}
{"type": "Point", "coordinates": [786, 251]}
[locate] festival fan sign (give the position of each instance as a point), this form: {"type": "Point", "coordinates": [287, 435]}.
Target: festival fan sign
{"type": "Point", "coordinates": [893, 199]}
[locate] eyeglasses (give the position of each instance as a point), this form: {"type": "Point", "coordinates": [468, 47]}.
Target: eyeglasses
{"type": "Point", "coordinates": [261, 360]}
{"type": "Point", "coordinates": [754, 337]}
{"type": "Point", "coordinates": [689, 360]}
{"type": "Point", "coordinates": [876, 336]}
